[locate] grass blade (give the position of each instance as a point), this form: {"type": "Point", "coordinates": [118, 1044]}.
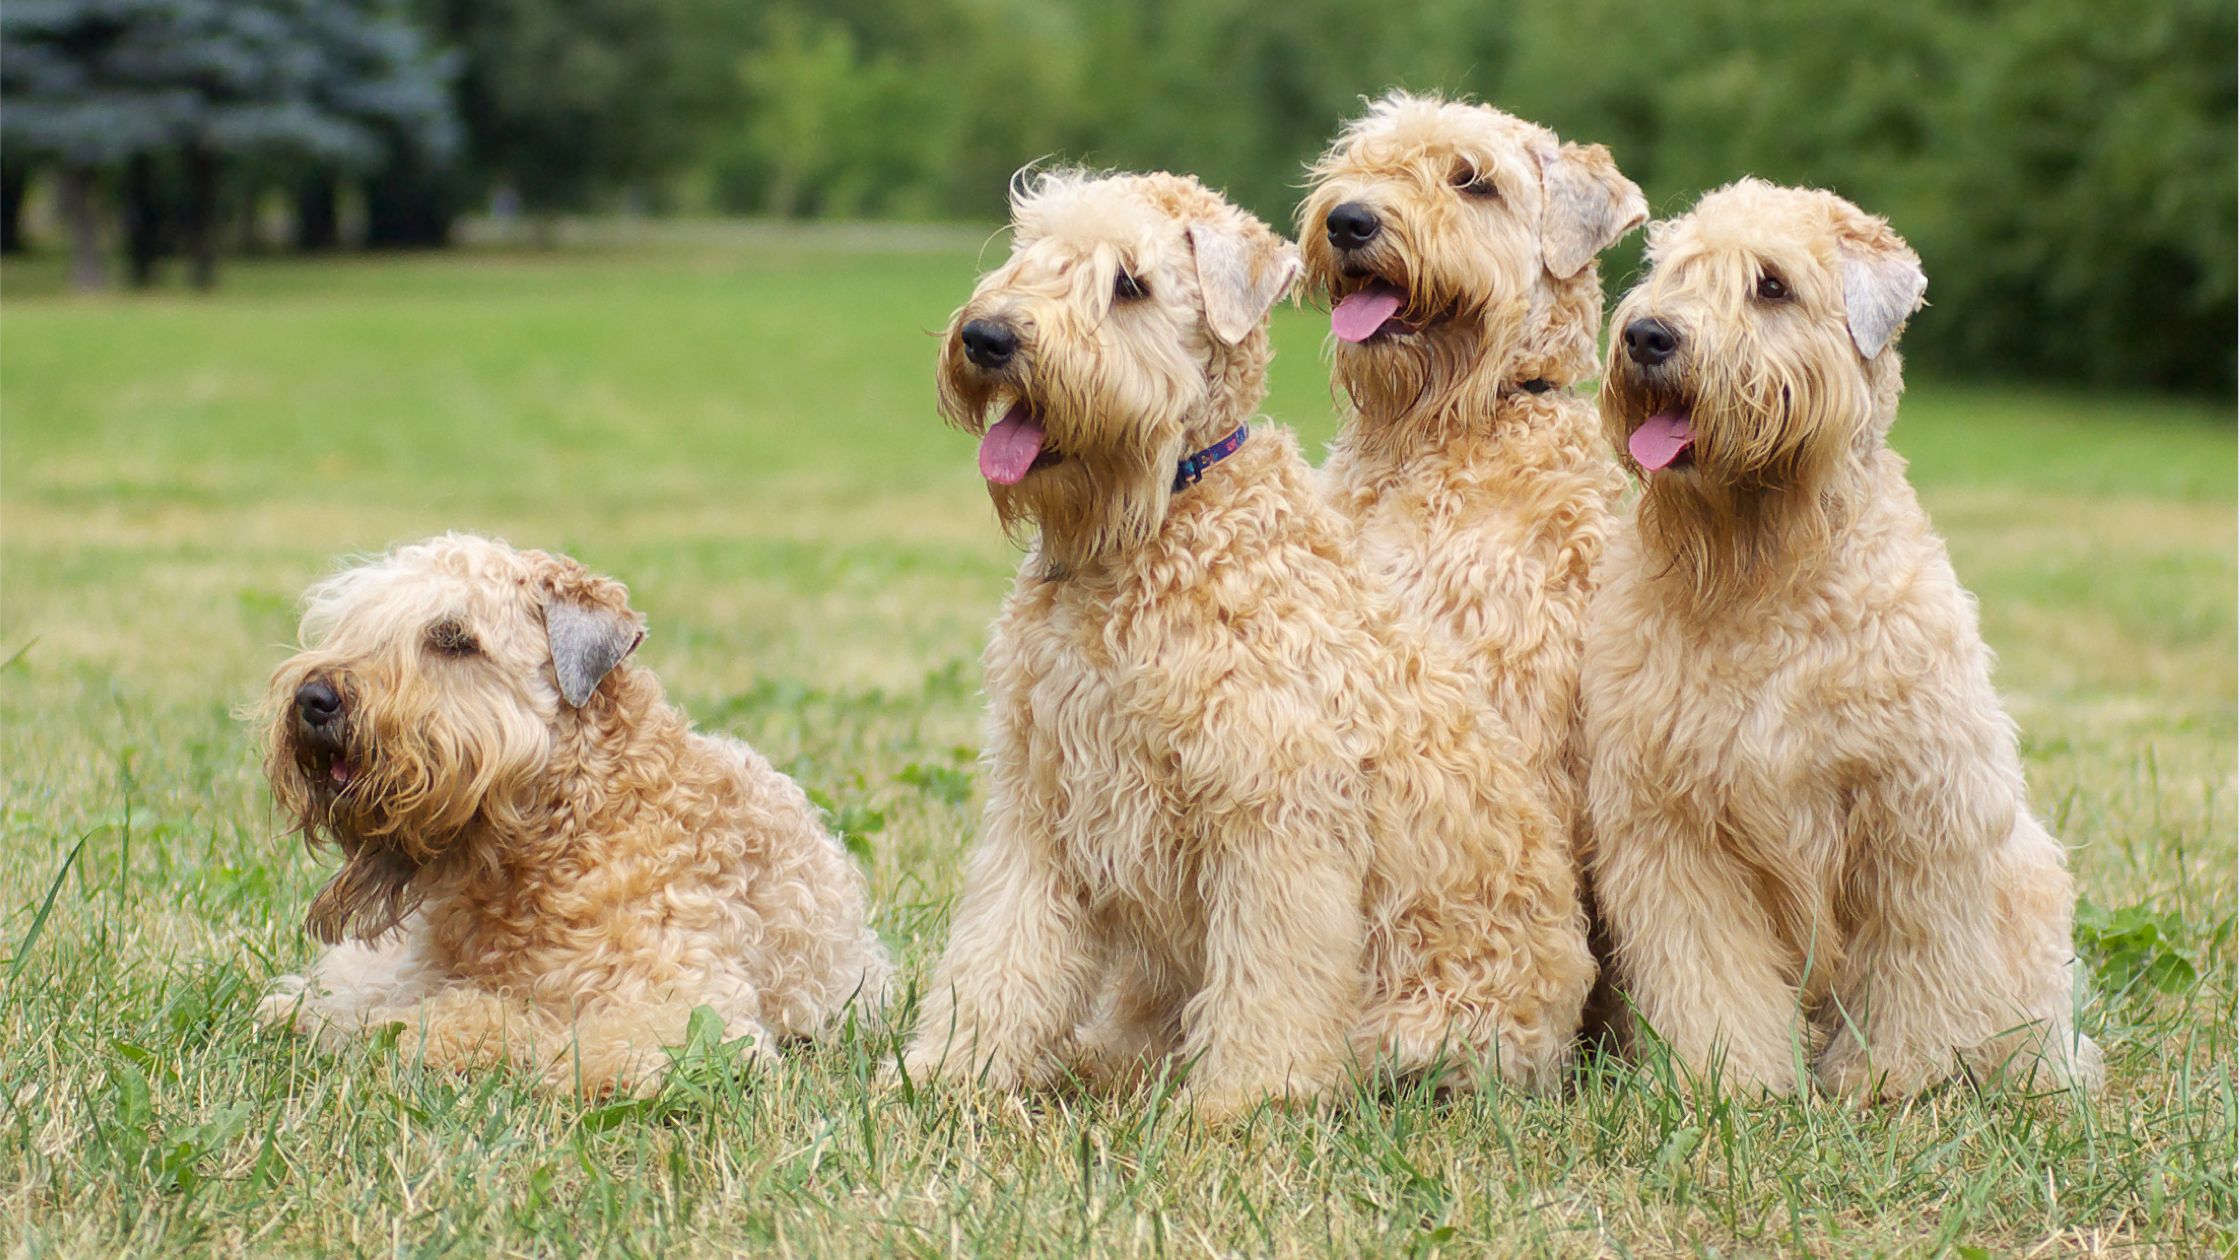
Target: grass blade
{"type": "Point", "coordinates": [46, 907]}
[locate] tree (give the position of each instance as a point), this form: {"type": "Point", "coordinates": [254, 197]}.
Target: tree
{"type": "Point", "coordinates": [181, 88]}
{"type": "Point", "coordinates": [15, 181]}
{"type": "Point", "coordinates": [379, 72]}
{"type": "Point", "coordinates": [566, 99]}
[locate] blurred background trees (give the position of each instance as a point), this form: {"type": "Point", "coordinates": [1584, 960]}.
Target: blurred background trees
{"type": "Point", "coordinates": [2066, 167]}
{"type": "Point", "coordinates": [179, 110]}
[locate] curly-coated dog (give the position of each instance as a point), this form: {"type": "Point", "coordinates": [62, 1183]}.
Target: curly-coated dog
{"type": "Point", "coordinates": [543, 863]}
{"type": "Point", "coordinates": [1457, 246]}
{"type": "Point", "coordinates": [1812, 841]}
{"type": "Point", "coordinates": [1239, 815]}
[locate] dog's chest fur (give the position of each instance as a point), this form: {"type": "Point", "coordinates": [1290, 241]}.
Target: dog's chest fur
{"type": "Point", "coordinates": [1767, 721]}
{"type": "Point", "coordinates": [1492, 540]}
{"type": "Point", "coordinates": [1491, 536]}
{"type": "Point", "coordinates": [1185, 679]}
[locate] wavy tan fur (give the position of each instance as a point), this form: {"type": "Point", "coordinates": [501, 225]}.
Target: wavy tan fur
{"type": "Point", "coordinates": [529, 882]}
{"type": "Point", "coordinates": [1240, 813]}
{"type": "Point", "coordinates": [1812, 833]}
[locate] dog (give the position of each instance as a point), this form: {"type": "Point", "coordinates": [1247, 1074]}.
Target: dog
{"type": "Point", "coordinates": [543, 863]}
{"type": "Point", "coordinates": [1456, 246]}
{"type": "Point", "coordinates": [1812, 841]}
{"type": "Point", "coordinates": [1240, 818]}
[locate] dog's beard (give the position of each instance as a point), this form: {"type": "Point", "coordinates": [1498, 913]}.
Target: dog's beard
{"type": "Point", "coordinates": [1087, 508]}
{"type": "Point", "coordinates": [385, 854]}
{"type": "Point", "coordinates": [1118, 443]}
{"type": "Point", "coordinates": [416, 794]}
{"type": "Point", "coordinates": [1758, 494]}
{"type": "Point", "coordinates": [1430, 382]}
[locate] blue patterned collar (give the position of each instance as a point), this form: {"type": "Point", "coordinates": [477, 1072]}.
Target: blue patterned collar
{"type": "Point", "coordinates": [1192, 470]}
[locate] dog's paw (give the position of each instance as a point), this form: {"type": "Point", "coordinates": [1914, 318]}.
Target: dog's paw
{"type": "Point", "coordinates": [919, 1064]}
{"type": "Point", "coordinates": [1857, 1078]}
{"type": "Point", "coordinates": [284, 1004]}
{"type": "Point", "coordinates": [1226, 1106]}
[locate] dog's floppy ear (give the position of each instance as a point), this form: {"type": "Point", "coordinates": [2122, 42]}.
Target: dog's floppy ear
{"type": "Point", "coordinates": [587, 643]}
{"type": "Point", "coordinates": [1883, 284]}
{"type": "Point", "coordinates": [1586, 206]}
{"type": "Point", "coordinates": [1241, 273]}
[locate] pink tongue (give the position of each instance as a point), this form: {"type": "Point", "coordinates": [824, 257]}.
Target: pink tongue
{"type": "Point", "coordinates": [1661, 439]}
{"type": "Point", "coordinates": [1010, 447]}
{"type": "Point", "coordinates": [1362, 313]}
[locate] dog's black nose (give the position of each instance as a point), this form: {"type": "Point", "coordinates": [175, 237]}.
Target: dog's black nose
{"type": "Point", "coordinates": [1650, 342]}
{"type": "Point", "coordinates": [989, 343]}
{"type": "Point", "coordinates": [318, 703]}
{"type": "Point", "coordinates": [1351, 226]}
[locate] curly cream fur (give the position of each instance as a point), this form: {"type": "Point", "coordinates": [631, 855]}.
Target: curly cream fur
{"type": "Point", "coordinates": [1812, 834]}
{"type": "Point", "coordinates": [1240, 812]}
{"type": "Point", "coordinates": [531, 882]}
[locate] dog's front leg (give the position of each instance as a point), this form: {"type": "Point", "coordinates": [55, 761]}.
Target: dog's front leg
{"type": "Point", "coordinates": [1284, 941]}
{"type": "Point", "coordinates": [346, 987]}
{"type": "Point", "coordinates": [1964, 953]}
{"type": "Point", "coordinates": [1019, 970]}
{"type": "Point", "coordinates": [1698, 956]}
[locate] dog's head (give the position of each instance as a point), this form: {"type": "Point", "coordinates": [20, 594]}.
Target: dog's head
{"type": "Point", "coordinates": [1126, 330]}
{"type": "Point", "coordinates": [1757, 352]}
{"type": "Point", "coordinates": [436, 688]}
{"type": "Point", "coordinates": [1456, 246]}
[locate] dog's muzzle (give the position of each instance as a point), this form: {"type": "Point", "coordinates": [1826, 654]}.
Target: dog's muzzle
{"type": "Point", "coordinates": [1651, 342]}
{"type": "Point", "coordinates": [319, 718]}
{"type": "Point", "coordinates": [1350, 226]}
{"type": "Point", "coordinates": [989, 343]}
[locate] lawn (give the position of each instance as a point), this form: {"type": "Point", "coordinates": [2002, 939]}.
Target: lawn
{"type": "Point", "coordinates": [742, 429]}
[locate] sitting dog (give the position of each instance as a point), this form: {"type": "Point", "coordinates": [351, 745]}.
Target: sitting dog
{"type": "Point", "coordinates": [1456, 245]}
{"type": "Point", "coordinates": [1811, 833]}
{"type": "Point", "coordinates": [543, 863]}
{"type": "Point", "coordinates": [1238, 813]}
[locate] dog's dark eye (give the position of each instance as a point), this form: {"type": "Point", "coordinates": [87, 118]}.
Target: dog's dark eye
{"type": "Point", "coordinates": [1472, 183]}
{"type": "Point", "coordinates": [1771, 288]}
{"type": "Point", "coordinates": [449, 638]}
{"type": "Point", "coordinates": [1126, 288]}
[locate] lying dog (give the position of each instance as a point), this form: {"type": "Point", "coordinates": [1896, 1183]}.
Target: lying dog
{"type": "Point", "coordinates": [543, 862]}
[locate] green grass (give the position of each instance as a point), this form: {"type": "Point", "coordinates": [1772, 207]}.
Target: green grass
{"type": "Point", "coordinates": [744, 432]}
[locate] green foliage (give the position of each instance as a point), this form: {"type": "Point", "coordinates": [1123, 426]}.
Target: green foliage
{"type": "Point", "coordinates": [2135, 945]}
{"type": "Point", "coordinates": [947, 784]}
{"type": "Point", "coordinates": [567, 99]}
{"type": "Point", "coordinates": [2066, 169]}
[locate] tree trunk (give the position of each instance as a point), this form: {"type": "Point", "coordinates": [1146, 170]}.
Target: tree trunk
{"type": "Point", "coordinates": [409, 206]}
{"type": "Point", "coordinates": [143, 220]}
{"type": "Point", "coordinates": [202, 217]}
{"type": "Point", "coordinates": [87, 269]}
{"type": "Point", "coordinates": [318, 217]}
{"type": "Point", "coordinates": [15, 181]}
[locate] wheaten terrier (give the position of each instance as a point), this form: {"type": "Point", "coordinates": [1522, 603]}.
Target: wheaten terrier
{"type": "Point", "coordinates": [543, 863]}
{"type": "Point", "coordinates": [1458, 245]}
{"type": "Point", "coordinates": [1238, 812]}
{"type": "Point", "coordinates": [1812, 841]}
